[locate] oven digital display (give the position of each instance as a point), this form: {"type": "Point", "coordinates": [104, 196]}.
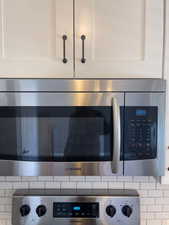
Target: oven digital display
{"type": "Point", "coordinates": [75, 209]}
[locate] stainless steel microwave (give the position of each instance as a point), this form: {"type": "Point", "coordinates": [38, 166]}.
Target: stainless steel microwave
{"type": "Point", "coordinates": [53, 127]}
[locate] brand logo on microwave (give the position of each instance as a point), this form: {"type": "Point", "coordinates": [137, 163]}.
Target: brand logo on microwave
{"type": "Point", "coordinates": [74, 168]}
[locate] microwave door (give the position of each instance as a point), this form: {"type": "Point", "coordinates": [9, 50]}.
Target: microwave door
{"type": "Point", "coordinates": [56, 134]}
{"type": "Point", "coordinates": [144, 134]}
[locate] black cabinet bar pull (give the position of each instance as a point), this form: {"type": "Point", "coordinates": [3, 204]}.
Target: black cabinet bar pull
{"type": "Point", "coordinates": [64, 37]}
{"type": "Point", "coordinates": [83, 60]}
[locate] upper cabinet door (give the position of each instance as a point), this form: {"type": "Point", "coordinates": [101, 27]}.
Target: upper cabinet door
{"type": "Point", "coordinates": [31, 43]}
{"type": "Point", "coordinates": [123, 39]}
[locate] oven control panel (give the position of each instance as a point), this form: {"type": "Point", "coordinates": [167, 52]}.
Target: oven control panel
{"type": "Point", "coordinates": [140, 133]}
{"type": "Point", "coordinates": [75, 209]}
{"type": "Point", "coordinates": [99, 207]}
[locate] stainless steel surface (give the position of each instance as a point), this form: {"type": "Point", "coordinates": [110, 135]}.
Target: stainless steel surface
{"type": "Point", "coordinates": [69, 85]}
{"type": "Point", "coordinates": [116, 198]}
{"type": "Point", "coordinates": [57, 92]}
{"type": "Point", "coordinates": [27, 168]}
{"type": "Point", "coordinates": [150, 167]}
{"type": "Point", "coordinates": [116, 135]}
{"type": "Point", "coordinates": [60, 99]}
{"type": "Point", "coordinates": [75, 192]}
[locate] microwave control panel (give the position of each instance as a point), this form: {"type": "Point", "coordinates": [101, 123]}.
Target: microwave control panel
{"type": "Point", "coordinates": [140, 133]}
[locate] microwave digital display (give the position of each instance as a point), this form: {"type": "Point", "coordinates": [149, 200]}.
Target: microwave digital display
{"type": "Point", "coordinates": [141, 112]}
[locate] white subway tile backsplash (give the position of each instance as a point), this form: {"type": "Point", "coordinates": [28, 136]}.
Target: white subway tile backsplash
{"type": "Point", "coordinates": [77, 178]}
{"type": "Point", "coordinates": [148, 186]}
{"type": "Point", "coordinates": [14, 178]}
{"type": "Point", "coordinates": [29, 178]}
{"type": "Point", "coordinates": [67, 185]}
{"type": "Point", "coordinates": [5, 201]}
{"type": "Point", "coordinates": [154, 179]}
{"type": "Point", "coordinates": [5, 215]}
{"type": "Point", "coordinates": [155, 193]}
{"type": "Point", "coordinates": [166, 193]}
{"type": "Point", "coordinates": [131, 185]}
{"type": "Point", "coordinates": [98, 185]}
{"type": "Point", "coordinates": [2, 178]}
{"type": "Point", "coordinates": [143, 208]}
{"type": "Point", "coordinates": [140, 179]}
{"type": "Point", "coordinates": [163, 187]}
{"type": "Point", "coordinates": [154, 208]}
{"type": "Point", "coordinates": [5, 185]}
{"type": "Point", "coordinates": [147, 201]}
{"type": "Point", "coordinates": [8, 208]}
{"type": "Point", "coordinates": [154, 196]}
{"type": "Point", "coordinates": [126, 178]}
{"type": "Point", "coordinates": [2, 208]}
{"type": "Point", "coordinates": [143, 193]}
{"type": "Point", "coordinates": [148, 215]}
{"type": "Point", "coordinates": [144, 222]}
{"type": "Point", "coordinates": [115, 185]}
{"type": "Point", "coordinates": [93, 178]}
{"type": "Point", "coordinates": [154, 222]}
{"type": "Point", "coordinates": [84, 185]}
{"type": "Point", "coordinates": [45, 178]}
{"type": "Point", "coordinates": [162, 201]}
{"type": "Point", "coordinates": [3, 222]}
{"type": "Point", "coordinates": [20, 185]}
{"type": "Point", "coordinates": [2, 193]}
{"type": "Point", "coordinates": [9, 192]}
{"type": "Point", "coordinates": [37, 185]}
{"type": "Point", "coordinates": [165, 208]}
{"type": "Point", "coordinates": [54, 185]}
{"type": "Point", "coordinates": [61, 178]}
{"type": "Point", "coordinates": [161, 215]}
{"type": "Point", "coordinates": [109, 178]}
{"type": "Point", "coordinates": [8, 222]}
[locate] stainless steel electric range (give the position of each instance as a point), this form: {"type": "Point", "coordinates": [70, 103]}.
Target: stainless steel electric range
{"type": "Point", "coordinates": [76, 207]}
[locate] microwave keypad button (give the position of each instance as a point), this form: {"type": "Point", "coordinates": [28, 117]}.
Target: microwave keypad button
{"type": "Point", "coordinates": [139, 145]}
{"type": "Point", "coordinates": [133, 145]}
{"type": "Point", "coordinates": [148, 144]}
{"type": "Point", "coordinates": [133, 139]}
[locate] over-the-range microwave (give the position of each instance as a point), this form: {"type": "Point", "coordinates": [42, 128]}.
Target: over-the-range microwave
{"type": "Point", "coordinates": [53, 127]}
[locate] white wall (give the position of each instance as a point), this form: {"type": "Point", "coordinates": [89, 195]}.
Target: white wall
{"type": "Point", "coordinates": [154, 196]}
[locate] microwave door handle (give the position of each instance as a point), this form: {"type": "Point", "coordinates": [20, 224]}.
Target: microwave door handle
{"type": "Point", "coordinates": [116, 135]}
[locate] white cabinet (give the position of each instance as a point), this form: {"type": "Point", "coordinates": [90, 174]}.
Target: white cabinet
{"type": "Point", "coordinates": [31, 43]}
{"type": "Point", "coordinates": [123, 38]}
{"type": "Point", "coordinates": [165, 179]}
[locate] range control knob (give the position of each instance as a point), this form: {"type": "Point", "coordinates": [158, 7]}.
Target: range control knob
{"type": "Point", "coordinates": [111, 210]}
{"type": "Point", "coordinates": [41, 210]}
{"type": "Point", "coordinates": [25, 210]}
{"type": "Point", "coordinates": [127, 210]}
